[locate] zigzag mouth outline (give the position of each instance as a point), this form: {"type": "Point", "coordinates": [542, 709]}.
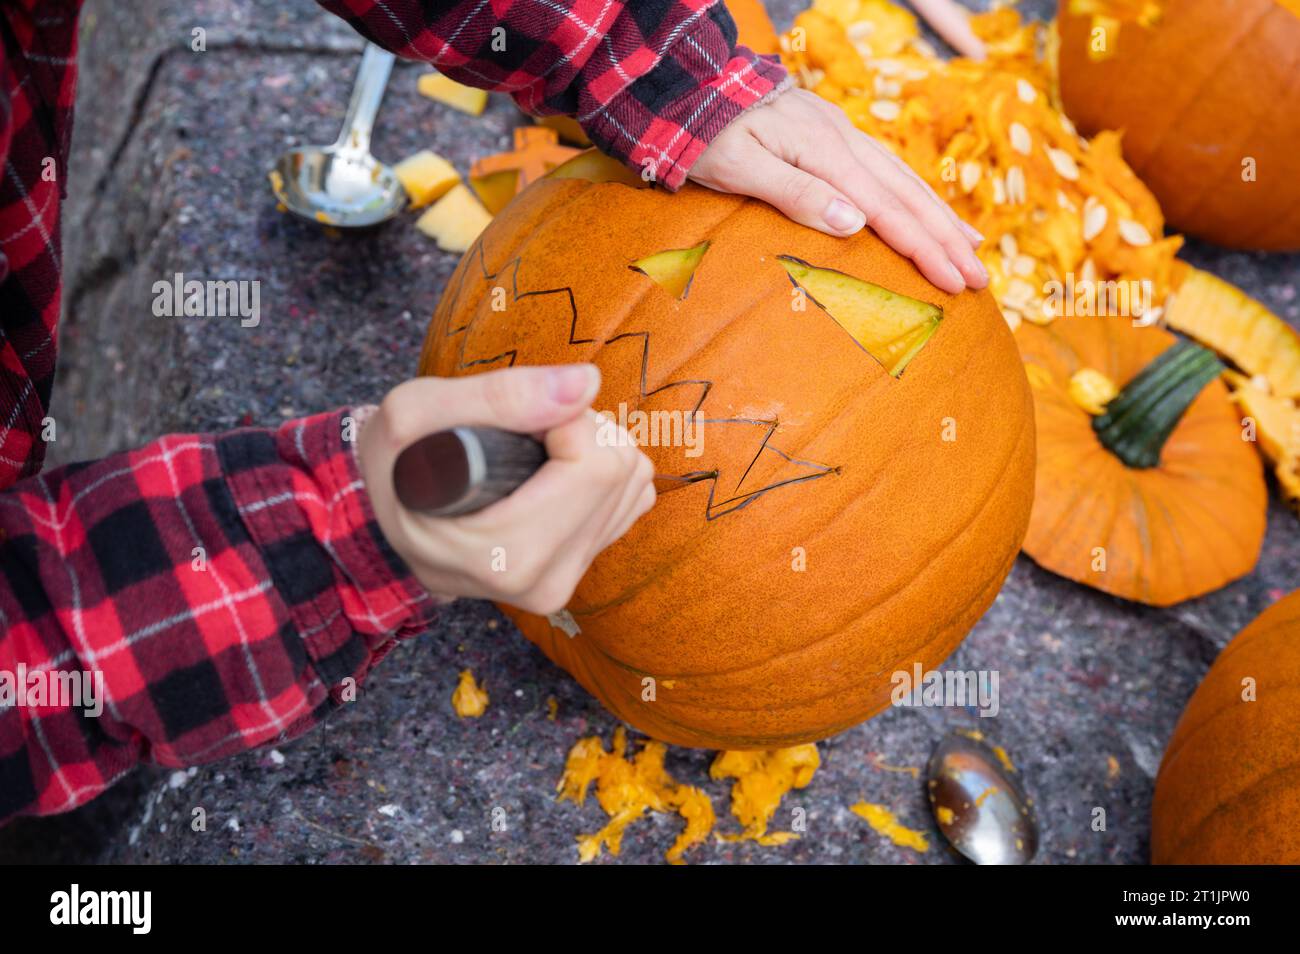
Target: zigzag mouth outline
{"type": "Point", "coordinates": [713, 508]}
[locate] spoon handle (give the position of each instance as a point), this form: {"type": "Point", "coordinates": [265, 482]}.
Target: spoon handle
{"type": "Point", "coordinates": [367, 94]}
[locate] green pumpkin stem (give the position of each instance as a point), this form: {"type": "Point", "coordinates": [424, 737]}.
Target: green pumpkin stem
{"type": "Point", "coordinates": [1143, 415]}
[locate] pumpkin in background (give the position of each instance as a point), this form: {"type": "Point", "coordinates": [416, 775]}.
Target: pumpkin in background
{"type": "Point", "coordinates": [1198, 87]}
{"type": "Point", "coordinates": [1149, 492]}
{"type": "Point", "coordinates": [753, 26]}
{"type": "Point", "coordinates": [1228, 791]}
{"type": "Point", "coordinates": [867, 460]}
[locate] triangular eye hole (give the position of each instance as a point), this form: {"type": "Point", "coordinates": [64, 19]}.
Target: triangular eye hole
{"type": "Point", "coordinates": [672, 270]}
{"type": "Point", "coordinates": [890, 327]}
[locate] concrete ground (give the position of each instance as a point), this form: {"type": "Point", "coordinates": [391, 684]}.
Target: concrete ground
{"type": "Point", "coordinates": [170, 159]}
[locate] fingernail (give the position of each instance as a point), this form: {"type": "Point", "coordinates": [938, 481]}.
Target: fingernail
{"type": "Point", "coordinates": [972, 232]}
{"type": "Point", "coordinates": [842, 217]}
{"type": "Point", "coordinates": [958, 279]}
{"type": "Point", "coordinates": [572, 383]}
{"type": "Point", "coordinates": [979, 267]}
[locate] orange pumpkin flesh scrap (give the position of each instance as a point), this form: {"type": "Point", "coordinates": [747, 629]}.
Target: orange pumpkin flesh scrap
{"type": "Point", "coordinates": [762, 780]}
{"type": "Point", "coordinates": [628, 788]}
{"type": "Point", "coordinates": [886, 824]}
{"type": "Point", "coordinates": [1182, 517]}
{"type": "Point", "coordinates": [469, 700]}
{"type": "Point", "coordinates": [496, 189]}
{"type": "Point", "coordinates": [537, 151]}
{"type": "Point", "coordinates": [1228, 791]}
{"type": "Point", "coordinates": [891, 328]}
{"type": "Point", "coordinates": [1206, 95]}
{"type": "Point", "coordinates": [808, 443]}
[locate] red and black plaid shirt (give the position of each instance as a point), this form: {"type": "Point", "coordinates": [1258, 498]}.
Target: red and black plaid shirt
{"type": "Point", "coordinates": [231, 588]}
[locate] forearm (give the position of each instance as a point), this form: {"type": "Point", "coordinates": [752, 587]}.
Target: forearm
{"type": "Point", "coordinates": [229, 590]}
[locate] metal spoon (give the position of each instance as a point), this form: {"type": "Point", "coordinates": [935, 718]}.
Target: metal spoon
{"type": "Point", "coordinates": [343, 184]}
{"type": "Point", "coordinates": [979, 806]}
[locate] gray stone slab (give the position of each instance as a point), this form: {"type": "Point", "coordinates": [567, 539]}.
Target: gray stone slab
{"type": "Point", "coordinates": [172, 148]}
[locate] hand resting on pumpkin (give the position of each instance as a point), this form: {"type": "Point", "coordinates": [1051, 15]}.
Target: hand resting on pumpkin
{"type": "Point", "coordinates": [802, 155]}
{"type": "Point", "coordinates": [549, 530]}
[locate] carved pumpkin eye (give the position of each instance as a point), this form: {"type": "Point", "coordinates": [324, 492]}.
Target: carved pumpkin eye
{"type": "Point", "coordinates": [672, 270]}
{"type": "Point", "coordinates": [890, 327]}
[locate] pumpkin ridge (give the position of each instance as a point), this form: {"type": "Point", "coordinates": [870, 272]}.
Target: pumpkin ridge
{"type": "Point", "coordinates": [1004, 471]}
{"type": "Point", "coordinates": [1195, 198]}
{"type": "Point", "coordinates": [1230, 531]}
{"type": "Point", "coordinates": [1175, 119]}
{"type": "Point", "coordinates": [1185, 733]}
{"type": "Point", "coordinates": [1066, 514]}
{"type": "Point", "coordinates": [1214, 554]}
{"type": "Point", "coordinates": [1232, 802]}
{"type": "Point", "coordinates": [699, 674]}
{"type": "Point", "coordinates": [994, 582]}
{"type": "Point", "coordinates": [674, 556]}
{"type": "Point", "coordinates": [1273, 627]}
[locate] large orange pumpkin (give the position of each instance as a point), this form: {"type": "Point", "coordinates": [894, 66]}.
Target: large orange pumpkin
{"type": "Point", "coordinates": [865, 480]}
{"type": "Point", "coordinates": [1228, 791]}
{"type": "Point", "coordinates": [1158, 500]}
{"type": "Point", "coordinates": [1207, 93]}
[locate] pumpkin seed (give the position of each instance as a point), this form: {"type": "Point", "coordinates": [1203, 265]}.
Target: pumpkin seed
{"type": "Point", "coordinates": [885, 110]}
{"type": "Point", "coordinates": [1063, 163]}
{"type": "Point", "coordinates": [1021, 141]}
{"type": "Point", "coordinates": [1135, 233]}
{"type": "Point", "coordinates": [1016, 186]}
{"type": "Point", "coordinates": [970, 176]}
{"type": "Point", "coordinates": [1094, 218]}
{"type": "Point", "coordinates": [1025, 90]}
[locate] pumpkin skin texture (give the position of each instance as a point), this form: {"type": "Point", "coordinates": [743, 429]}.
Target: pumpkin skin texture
{"type": "Point", "coordinates": [1228, 791]}
{"type": "Point", "coordinates": [1210, 84]}
{"type": "Point", "coordinates": [907, 537]}
{"type": "Point", "coordinates": [1187, 526]}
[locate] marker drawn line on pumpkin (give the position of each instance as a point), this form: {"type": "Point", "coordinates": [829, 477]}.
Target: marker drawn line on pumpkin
{"type": "Point", "coordinates": [477, 252]}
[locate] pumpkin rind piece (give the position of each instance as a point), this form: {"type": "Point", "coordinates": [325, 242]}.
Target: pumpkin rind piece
{"type": "Point", "coordinates": [1222, 316]}
{"type": "Point", "coordinates": [1157, 535]}
{"type": "Point", "coordinates": [444, 89]}
{"type": "Point", "coordinates": [455, 220]}
{"type": "Point", "coordinates": [1228, 791]}
{"type": "Point", "coordinates": [809, 447]}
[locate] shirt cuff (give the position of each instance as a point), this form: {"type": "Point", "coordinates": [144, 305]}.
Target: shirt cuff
{"type": "Point", "coordinates": [665, 119]}
{"type": "Point", "coordinates": [303, 500]}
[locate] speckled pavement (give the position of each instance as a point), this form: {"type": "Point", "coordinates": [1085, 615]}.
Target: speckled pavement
{"type": "Point", "coordinates": [171, 152]}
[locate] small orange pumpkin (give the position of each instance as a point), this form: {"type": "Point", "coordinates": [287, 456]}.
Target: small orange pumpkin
{"type": "Point", "coordinates": [1158, 499]}
{"type": "Point", "coordinates": [1206, 94]}
{"type": "Point", "coordinates": [866, 466]}
{"type": "Point", "coordinates": [1228, 792]}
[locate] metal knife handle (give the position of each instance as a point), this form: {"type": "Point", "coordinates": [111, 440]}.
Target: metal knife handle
{"type": "Point", "coordinates": [464, 469]}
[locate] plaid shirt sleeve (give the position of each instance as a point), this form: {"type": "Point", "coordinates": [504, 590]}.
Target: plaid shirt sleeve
{"type": "Point", "coordinates": [213, 592]}
{"type": "Point", "coordinates": [651, 81]}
